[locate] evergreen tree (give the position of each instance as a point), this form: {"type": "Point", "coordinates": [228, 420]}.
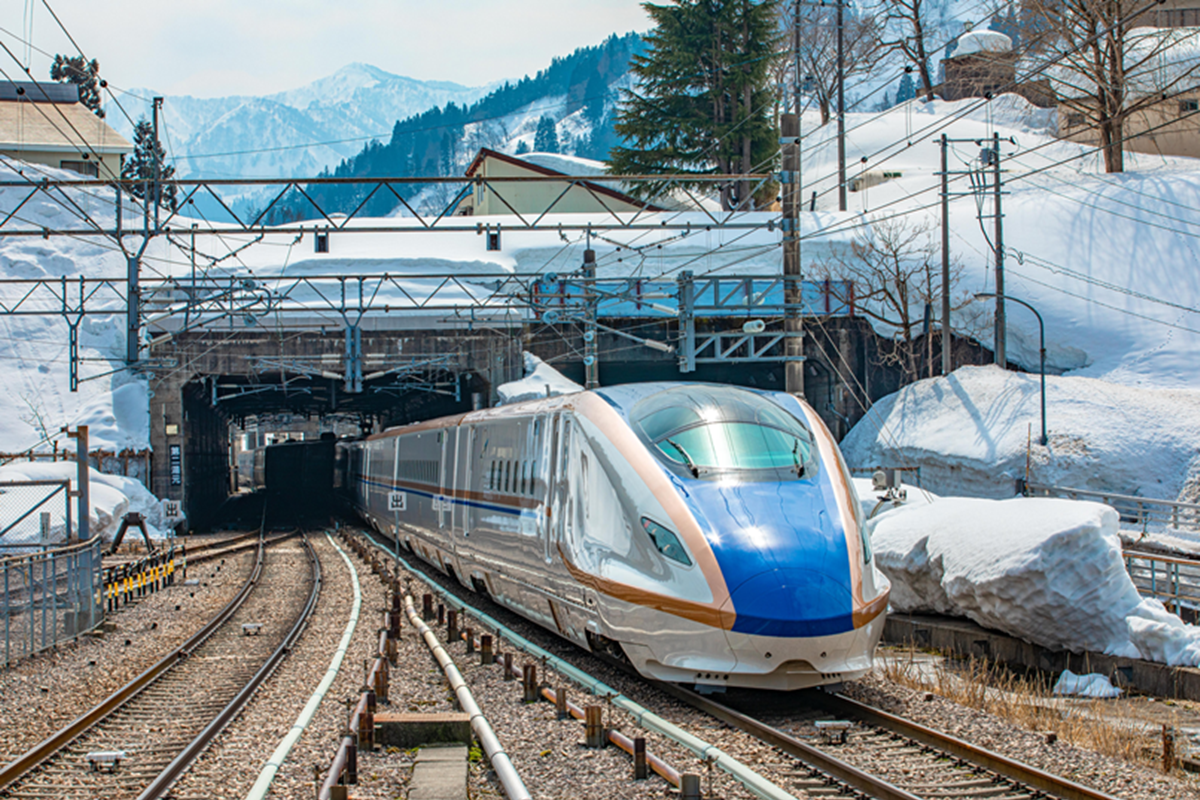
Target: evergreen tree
{"type": "Point", "coordinates": [704, 100]}
{"type": "Point", "coordinates": [546, 138]}
{"type": "Point", "coordinates": [84, 74]}
{"type": "Point", "coordinates": [139, 166]}
{"type": "Point", "coordinates": [907, 89]}
{"type": "Point", "coordinates": [522, 148]}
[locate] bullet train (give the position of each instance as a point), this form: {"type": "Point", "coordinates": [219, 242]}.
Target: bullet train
{"type": "Point", "coordinates": [707, 534]}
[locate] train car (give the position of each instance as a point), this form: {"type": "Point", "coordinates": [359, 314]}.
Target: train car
{"type": "Point", "coordinates": [708, 534]}
{"type": "Point", "coordinates": [297, 476]}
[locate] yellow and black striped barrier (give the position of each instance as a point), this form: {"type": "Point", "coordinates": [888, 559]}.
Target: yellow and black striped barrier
{"type": "Point", "coordinates": [128, 582]}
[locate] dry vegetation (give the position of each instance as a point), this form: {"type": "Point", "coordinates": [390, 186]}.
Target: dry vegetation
{"type": "Point", "coordinates": [1029, 703]}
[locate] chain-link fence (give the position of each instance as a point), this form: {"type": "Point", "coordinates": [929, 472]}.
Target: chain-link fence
{"type": "Point", "coordinates": [50, 597]}
{"type": "Point", "coordinates": [34, 515]}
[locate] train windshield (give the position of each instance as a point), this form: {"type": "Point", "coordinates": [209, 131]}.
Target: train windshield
{"type": "Point", "coordinates": [714, 430]}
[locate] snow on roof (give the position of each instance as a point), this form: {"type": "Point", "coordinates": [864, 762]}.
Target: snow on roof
{"type": "Point", "coordinates": [541, 380]}
{"type": "Point", "coordinates": [982, 41]}
{"type": "Point", "coordinates": [567, 165]}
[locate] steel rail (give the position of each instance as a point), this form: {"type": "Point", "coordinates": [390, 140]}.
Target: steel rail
{"type": "Point", "coordinates": [1032, 777]}
{"type": "Point", "coordinates": [26, 763]}
{"type": "Point", "coordinates": [841, 771]}
{"type": "Point", "coordinates": [162, 784]}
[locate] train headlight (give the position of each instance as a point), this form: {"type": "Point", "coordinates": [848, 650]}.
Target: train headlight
{"type": "Point", "coordinates": [666, 541]}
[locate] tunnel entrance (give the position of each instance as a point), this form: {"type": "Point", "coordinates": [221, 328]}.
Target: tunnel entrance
{"type": "Point", "coordinates": [214, 396]}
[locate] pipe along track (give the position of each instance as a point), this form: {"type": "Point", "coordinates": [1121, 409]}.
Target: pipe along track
{"type": "Point", "coordinates": [167, 716]}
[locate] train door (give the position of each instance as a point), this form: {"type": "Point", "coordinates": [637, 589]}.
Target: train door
{"type": "Point", "coordinates": [397, 498]}
{"type": "Point", "coordinates": [561, 505]}
{"type": "Point", "coordinates": [445, 441]}
{"type": "Point", "coordinates": [460, 517]}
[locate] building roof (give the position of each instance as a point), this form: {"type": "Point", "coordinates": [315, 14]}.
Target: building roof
{"type": "Point", "coordinates": [485, 153]}
{"type": "Point", "coordinates": [56, 127]}
{"type": "Point", "coordinates": [982, 41]}
{"type": "Point", "coordinates": [39, 92]}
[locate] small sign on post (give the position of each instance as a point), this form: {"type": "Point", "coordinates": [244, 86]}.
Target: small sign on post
{"type": "Point", "coordinates": [397, 501]}
{"type": "Point", "coordinates": [172, 511]}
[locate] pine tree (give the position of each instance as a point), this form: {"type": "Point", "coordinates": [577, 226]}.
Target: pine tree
{"type": "Point", "coordinates": [907, 89]}
{"type": "Point", "coordinates": [139, 166]}
{"type": "Point", "coordinates": [546, 138]}
{"type": "Point", "coordinates": [704, 101]}
{"type": "Point", "coordinates": [522, 148]}
{"type": "Point", "coordinates": [84, 74]}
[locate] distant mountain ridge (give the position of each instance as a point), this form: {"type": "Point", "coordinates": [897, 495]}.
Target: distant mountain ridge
{"type": "Point", "coordinates": [294, 133]}
{"type": "Point", "coordinates": [579, 92]}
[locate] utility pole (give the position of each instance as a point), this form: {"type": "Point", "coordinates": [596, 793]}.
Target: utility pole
{"type": "Point", "coordinates": [1000, 333]}
{"type": "Point", "coordinates": [947, 340]}
{"type": "Point", "coordinates": [841, 107]}
{"type": "Point", "coordinates": [591, 363]}
{"type": "Point", "coordinates": [157, 171]}
{"type": "Point", "coordinates": [793, 323]}
{"type": "Point", "coordinates": [133, 261]}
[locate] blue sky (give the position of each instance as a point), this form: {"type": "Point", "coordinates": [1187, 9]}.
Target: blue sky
{"type": "Point", "coordinates": [222, 47]}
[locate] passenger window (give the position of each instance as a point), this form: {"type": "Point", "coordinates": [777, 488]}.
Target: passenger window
{"type": "Point", "coordinates": [507, 476]}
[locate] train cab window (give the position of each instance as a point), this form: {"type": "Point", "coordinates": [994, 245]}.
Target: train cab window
{"type": "Point", "coordinates": [712, 431]}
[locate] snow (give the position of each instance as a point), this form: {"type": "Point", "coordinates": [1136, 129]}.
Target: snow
{"type": "Point", "coordinates": [1157, 61]}
{"type": "Point", "coordinates": [35, 397]}
{"type": "Point", "coordinates": [1091, 685]}
{"type": "Point", "coordinates": [982, 41]}
{"type": "Point", "coordinates": [567, 165]}
{"type": "Point", "coordinates": [1048, 571]}
{"type": "Point", "coordinates": [110, 498]}
{"type": "Point", "coordinates": [541, 380]}
{"type": "Point", "coordinates": [969, 434]}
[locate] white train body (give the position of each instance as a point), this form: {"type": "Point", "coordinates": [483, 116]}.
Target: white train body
{"type": "Point", "coordinates": [711, 532]}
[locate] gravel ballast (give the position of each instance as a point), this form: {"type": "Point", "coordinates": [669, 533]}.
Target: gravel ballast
{"type": "Point", "coordinates": [40, 695]}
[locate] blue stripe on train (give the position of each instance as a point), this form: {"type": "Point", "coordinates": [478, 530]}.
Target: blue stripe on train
{"type": "Point", "coordinates": [471, 503]}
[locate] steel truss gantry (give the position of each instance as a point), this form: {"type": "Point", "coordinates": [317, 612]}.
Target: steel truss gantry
{"type": "Point", "coordinates": [159, 308]}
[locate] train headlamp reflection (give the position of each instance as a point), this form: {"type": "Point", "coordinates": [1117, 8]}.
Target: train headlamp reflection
{"type": "Point", "coordinates": [666, 541]}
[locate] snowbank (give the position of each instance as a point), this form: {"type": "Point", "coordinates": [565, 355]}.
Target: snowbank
{"type": "Point", "coordinates": [1044, 570]}
{"type": "Point", "coordinates": [110, 498]}
{"type": "Point", "coordinates": [541, 380]}
{"type": "Point", "coordinates": [968, 432]}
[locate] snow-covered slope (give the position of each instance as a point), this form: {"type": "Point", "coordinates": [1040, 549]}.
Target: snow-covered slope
{"type": "Point", "coordinates": [1106, 259]}
{"type": "Point", "coordinates": [292, 133]}
{"type": "Point", "coordinates": [969, 432]}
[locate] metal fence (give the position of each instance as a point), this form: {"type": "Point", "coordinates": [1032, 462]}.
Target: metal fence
{"type": "Point", "coordinates": [1174, 581]}
{"type": "Point", "coordinates": [1139, 512]}
{"type": "Point", "coordinates": [50, 598]}
{"type": "Point", "coordinates": [34, 514]}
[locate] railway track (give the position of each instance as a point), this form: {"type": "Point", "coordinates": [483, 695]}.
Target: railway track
{"type": "Point", "coordinates": [865, 751]}
{"type": "Point", "coordinates": [141, 739]}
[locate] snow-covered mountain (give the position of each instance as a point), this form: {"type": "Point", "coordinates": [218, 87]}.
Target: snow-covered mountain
{"type": "Point", "coordinates": [294, 133]}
